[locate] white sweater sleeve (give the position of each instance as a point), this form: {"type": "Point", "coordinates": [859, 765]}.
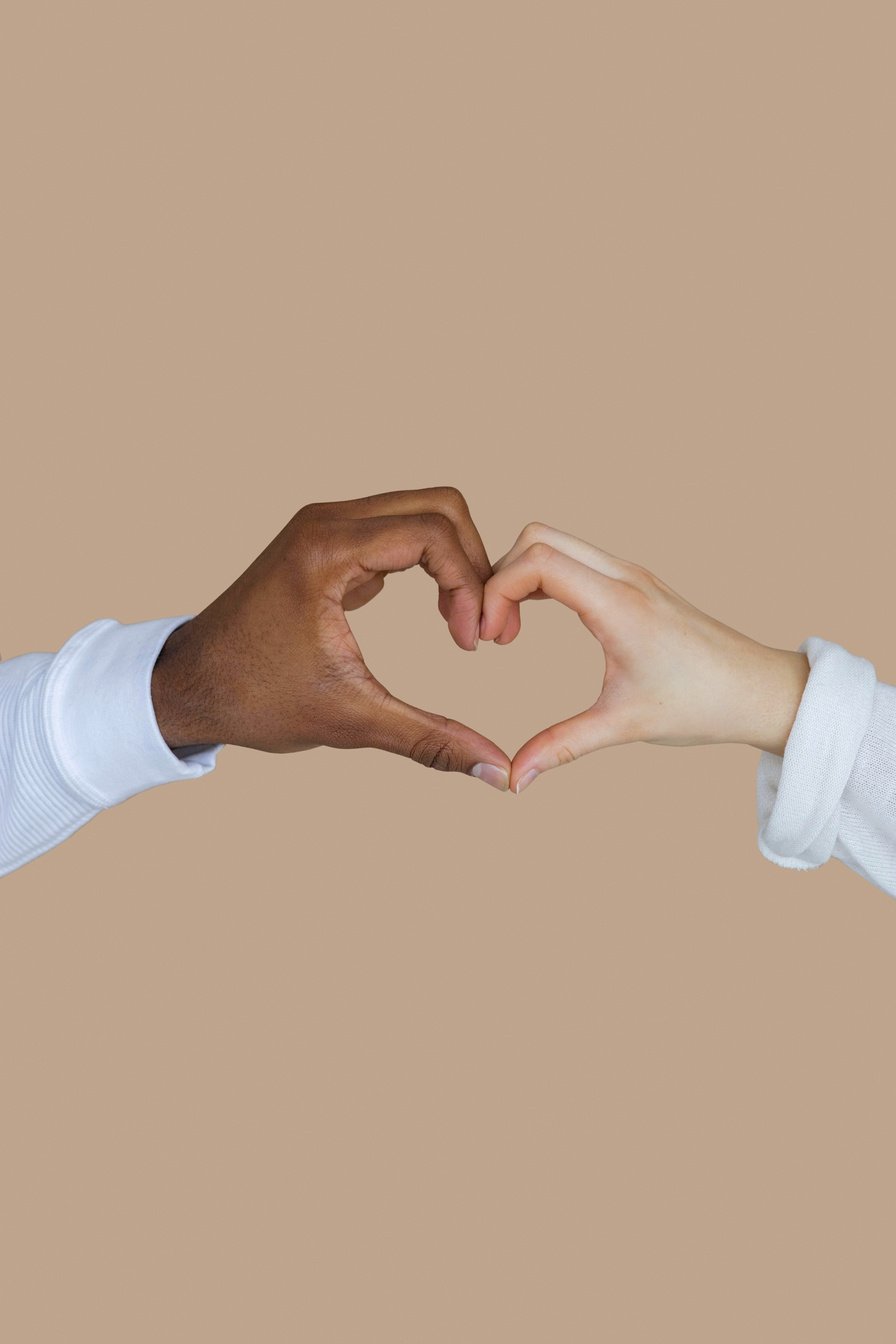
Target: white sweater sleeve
{"type": "Point", "coordinates": [833, 792]}
{"type": "Point", "coordinates": [78, 734]}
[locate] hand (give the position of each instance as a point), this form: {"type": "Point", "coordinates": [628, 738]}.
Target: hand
{"type": "Point", "coordinates": [674, 676]}
{"type": "Point", "coordinates": [272, 663]}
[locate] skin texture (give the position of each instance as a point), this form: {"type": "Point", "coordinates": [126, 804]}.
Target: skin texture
{"type": "Point", "coordinates": [272, 663]}
{"type": "Point", "coordinates": [674, 675]}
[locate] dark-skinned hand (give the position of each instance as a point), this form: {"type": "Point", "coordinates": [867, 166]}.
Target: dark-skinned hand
{"type": "Point", "coordinates": [272, 663]}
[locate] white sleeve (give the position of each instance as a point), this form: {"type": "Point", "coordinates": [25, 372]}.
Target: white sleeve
{"type": "Point", "coordinates": [78, 734]}
{"type": "Point", "coordinates": [833, 792]}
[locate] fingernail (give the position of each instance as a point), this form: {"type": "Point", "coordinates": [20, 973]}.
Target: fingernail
{"type": "Point", "coordinates": [526, 781]}
{"type": "Point", "coordinates": [491, 774]}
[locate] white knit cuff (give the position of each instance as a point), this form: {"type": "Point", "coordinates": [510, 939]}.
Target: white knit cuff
{"type": "Point", "coordinates": [798, 795]}
{"type": "Point", "coordinates": [99, 718]}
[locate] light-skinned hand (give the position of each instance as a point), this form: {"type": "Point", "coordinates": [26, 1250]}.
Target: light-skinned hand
{"type": "Point", "coordinates": [674, 675]}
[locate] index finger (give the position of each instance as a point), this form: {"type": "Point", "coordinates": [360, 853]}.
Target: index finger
{"type": "Point", "coordinates": [542, 569]}
{"type": "Point", "coordinates": [429, 540]}
{"type": "Point", "coordinates": [444, 499]}
{"type": "Point", "coordinates": [592, 556]}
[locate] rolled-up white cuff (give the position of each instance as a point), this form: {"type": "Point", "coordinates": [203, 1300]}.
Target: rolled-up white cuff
{"type": "Point", "coordinates": [798, 795]}
{"type": "Point", "coordinates": [99, 717]}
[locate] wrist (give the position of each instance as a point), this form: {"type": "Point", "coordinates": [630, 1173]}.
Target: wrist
{"type": "Point", "coordinates": [175, 692]}
{"type": "Point", "coordinates": [773, 691]}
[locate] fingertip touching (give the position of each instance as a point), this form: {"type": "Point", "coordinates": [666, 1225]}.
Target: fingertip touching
{"type": "Point", "coordinates": [496, 610]}
{"type": "Point", "coordinates": [512, 626]}
{"type": "Point", "coordinates": [463, 612]}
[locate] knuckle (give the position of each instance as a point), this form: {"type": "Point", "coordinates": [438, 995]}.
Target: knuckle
{"type": "Point", "coordinates": [303, 533]}
{"type": "Point", "coordinates": [437, 524]}
{"type": "Point", "coordinates": [450, 495]}
{"type": "Point", "coordinates": [563, 751]}
{"type": "Point", "coordinates": [640, 576]}
{"type": "Point", "coordinates": [436, 751]}
{"type": "Point", "coordinates": [435, 747]}
{"type": "Point", "coordinates": [636, 598]}
{"type": "Point", "coordinates": [539, 553]}
{"type": "Point", "coordinates": [307, 512]}
{"type": "Point", "coordinates": [532, 533]}
{"type": "Point", "coordinates": [311, 545]}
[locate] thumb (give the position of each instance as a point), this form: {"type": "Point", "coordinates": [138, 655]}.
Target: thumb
{"type": "Point", "coordinates": [565, 742]}
{"type": "Point", "coordinates": [434, 741]}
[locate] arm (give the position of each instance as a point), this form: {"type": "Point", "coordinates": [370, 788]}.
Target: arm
{"type": "Point", "coordinates": [825, 728]}
{"type": "Point", "coordinates": [79, 734]}
{"type": "Point", "coordinates": [269, 664]}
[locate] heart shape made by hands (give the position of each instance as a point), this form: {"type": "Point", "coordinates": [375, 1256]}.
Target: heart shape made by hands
{"type": "Point", "coordinates": [517, 682]}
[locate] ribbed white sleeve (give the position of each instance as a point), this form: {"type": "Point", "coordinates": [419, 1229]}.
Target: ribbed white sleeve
{"type": "Point", "coordinates": [78, 734]}
{"type": "Point", "coordinates": [833, 792]}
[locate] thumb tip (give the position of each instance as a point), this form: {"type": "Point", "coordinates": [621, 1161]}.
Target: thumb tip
{"type": "Point", "coordinates": [495, 775]}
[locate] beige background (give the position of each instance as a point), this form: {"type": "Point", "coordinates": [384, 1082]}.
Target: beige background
{"type": "Point", "coordinates": [324, 1048]}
